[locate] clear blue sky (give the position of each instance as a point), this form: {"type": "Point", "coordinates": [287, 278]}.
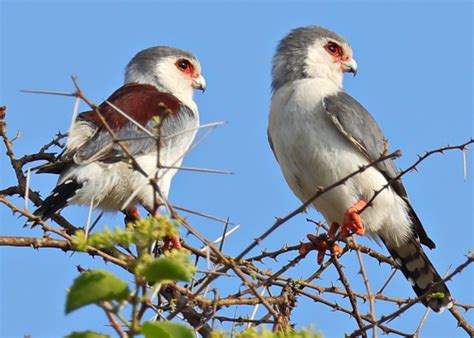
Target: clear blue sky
{"type": "Point", "coordinates": [415, 76]}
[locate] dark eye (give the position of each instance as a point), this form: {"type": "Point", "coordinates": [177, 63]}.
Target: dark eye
{"type": "Point", "coordinates": [185, 66]}
{"type": "Point", "coordinates": [333, 48]}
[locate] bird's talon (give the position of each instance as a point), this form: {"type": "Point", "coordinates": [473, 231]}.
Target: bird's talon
{"type": "Point", "coordinates": [353, 221]}
{"type": "Point", "coordinates": [305, 248]}
{"type": "Point", "coordinates": [336, 249]}
{"type": "Point", "coordinates": [170, 242]}
{"type": "Point", "coordinates": [320, 256]}
{"type": "Point", "coordinates": [132, 215]}
{"type": "Point", "coordinates": [321, 248]}
{"type": "Point", "coordinates": [321, 244]}
{"type": "Point", "coordinates": [176, 240]}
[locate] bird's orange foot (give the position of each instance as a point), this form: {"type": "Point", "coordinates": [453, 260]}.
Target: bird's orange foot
{"type": "Point", "coordinates": [132, 215]}
{"type": "Point", "coordinates": [353, 221]}
{"type": "Point", "coordinates": [171, 242]}
{"type": "Point", "coordinates": [320, 244]}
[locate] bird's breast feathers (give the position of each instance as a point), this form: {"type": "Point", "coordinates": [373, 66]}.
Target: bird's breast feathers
{"type": "Point", "coordinates": [310, 151]}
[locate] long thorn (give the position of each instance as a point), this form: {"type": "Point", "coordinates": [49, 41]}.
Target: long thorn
{"type": "Point", "coordinates": [27, 188]}
{"type": "Point", "coordinates": [255, 309]}
{"type": "Point", "coordinates": [77, 100]}
{"type": "Point", "coordinates": [47, 92]}
{"type": "Point", "coordinates": [202, 214]}
{"type": "Point", "coordinates": [202, 126]}
{"type": "Point", "coordinates": [221, 238]}
{"type": "Point", "coordinates": [464, 164]}
{"type": "Point", "coordinates": [89, 217]}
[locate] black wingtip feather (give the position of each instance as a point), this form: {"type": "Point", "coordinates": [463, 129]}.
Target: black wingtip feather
{"type": "Point", "coordinates": [58, 198]}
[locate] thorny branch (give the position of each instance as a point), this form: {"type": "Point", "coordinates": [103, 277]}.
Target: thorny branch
{"type": "Point", "coordinates": [350, 293]}
{"type": "Point", "coordinates": [371, 297]}
{"type": "Point", "coordinates": [192, 302]}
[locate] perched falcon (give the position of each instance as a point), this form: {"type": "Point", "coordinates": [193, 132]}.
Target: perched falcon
{"type": "Point", "coordinates": [319, 134]}
{"type": "Point", "coordinates": [157, 96]}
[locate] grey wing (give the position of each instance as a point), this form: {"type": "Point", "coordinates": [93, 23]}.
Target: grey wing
{"type": "Point", "coordinates": [138, 142]}
{"type": "Point", "coordinates": [270, 142]}
{"type": "Point", "coordinates": [355, 123]}
{"type": "Point", "coordinates": [101, 146]}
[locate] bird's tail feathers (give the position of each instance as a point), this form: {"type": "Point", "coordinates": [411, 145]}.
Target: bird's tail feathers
{"type": "Point", "coordinates": [421, 273]}
{"type": "Point", "coordinates": [58, 198]}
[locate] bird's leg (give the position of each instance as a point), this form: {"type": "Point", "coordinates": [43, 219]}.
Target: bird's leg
{"type": "Point", "coordinates": [172, 242]}
{"type": "Point", "coordinates": [333, 230]}
{"type": "Point", "coordinates": [353, 221]}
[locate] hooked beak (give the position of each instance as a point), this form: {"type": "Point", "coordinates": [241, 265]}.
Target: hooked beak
{"type": "Point", "coordinates": [350, 66]}
{"type": "Point", "coordinates": [199, 82]}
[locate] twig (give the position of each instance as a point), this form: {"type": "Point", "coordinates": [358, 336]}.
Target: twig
{"type": "Point", "coordinates": [365, 278]}
{"type": "Point", "coordinates": [389, 279]}
{"type": "Point", "coordinates": [223, 237]}
{"type": "Point", "coordinates": [352, 298]}
{"type": "Point", "coordinates": [255, 308]}
{"type": "Point", "coordinates": [422, 321]}
{"type": "Point", "coordinates": [462, 322]}
{"type": "Point", "coordinates": [35, 242]}
{"type": "Point", "coordinates": [113, 322]}
{"type": "Point", "coordinates": [92, 251]}
{"type": "Point", "coordinates": [54, 142]}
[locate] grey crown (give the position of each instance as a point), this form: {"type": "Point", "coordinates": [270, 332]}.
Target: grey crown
{"type": "Point", "coordinates": [290, 57]}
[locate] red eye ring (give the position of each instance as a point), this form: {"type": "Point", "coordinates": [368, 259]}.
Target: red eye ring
{"type": "Point", "coordinates": [333, 48]}
{"type": "Point", "coordinates": [185, 66]}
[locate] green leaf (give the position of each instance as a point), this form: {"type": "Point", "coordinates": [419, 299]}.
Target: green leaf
{"type": "Point", "coordinates": [95, 286]}
{"type": "Point", "coordinates": [166, 269]}
{"type": "Point", "coordinates": [87, 334]}
{"type": "Point", "coordinates": [166, 330]}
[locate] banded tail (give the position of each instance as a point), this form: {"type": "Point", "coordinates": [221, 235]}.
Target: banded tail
{"type": "Point", "coordinates": [421, 273]}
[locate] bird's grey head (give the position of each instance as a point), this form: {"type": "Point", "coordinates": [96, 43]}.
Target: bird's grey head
{"type": "Point", "coordinates": [169, 69]}
{"type": "Point", "coordinates": [311, 52]}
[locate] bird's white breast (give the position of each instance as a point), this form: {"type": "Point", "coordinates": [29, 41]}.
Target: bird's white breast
{"type": "Point", "coordinates": [312, 153]}
{"type": "Point", "coordinates": [172, 153]}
